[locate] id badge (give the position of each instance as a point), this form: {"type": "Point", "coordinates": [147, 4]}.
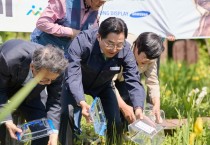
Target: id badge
{"type": "Point", "coordinates": [116, 68]}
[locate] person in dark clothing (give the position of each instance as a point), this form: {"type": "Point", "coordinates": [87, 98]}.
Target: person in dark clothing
{"type": "Point", "coordinates": [20, 61]}
{"type": "Point", "coordinates": [95, 56]}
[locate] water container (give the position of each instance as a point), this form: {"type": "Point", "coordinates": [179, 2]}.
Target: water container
{"type": "Point", "coordinates": [98, 117]}
{"type": "Point", "coordinates": [35, 129]}
{"type": "Point", "coordinates": [146, 131]}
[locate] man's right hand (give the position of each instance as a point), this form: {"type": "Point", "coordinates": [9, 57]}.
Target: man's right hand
{"type": "Point", "coordinates": [128, 113]}
{"type": "Point", "coordinates": [139, 113]}
{"type": "Point", "coordinates": [12, 128]}
{"type": "Point", "coordinates": [85, 111]}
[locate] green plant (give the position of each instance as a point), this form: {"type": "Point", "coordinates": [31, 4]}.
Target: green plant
{"type": "Point", "coordinates": [17, 99]}
{"type": "Point", "coordinates": [177, 80]}
{"type": "Point", "coordinates": [4, 36]}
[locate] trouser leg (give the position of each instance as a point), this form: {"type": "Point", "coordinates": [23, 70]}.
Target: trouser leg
{"type": "Point", "coordinates": [32, 110]}
{"type": "Point", "coordinates": [121, 87]}
{"type": "Point", "coordinates": [66, 128]}
{"type": "Point", "coordinates": [2, 134]}
{"type": "Point", "coordinates": [70, 118]}
{"type": "Point", "coordinates": [112, 113]}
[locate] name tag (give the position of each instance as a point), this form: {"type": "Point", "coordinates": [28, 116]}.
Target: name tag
{"type": "Point", "coordinates": [115, 68]}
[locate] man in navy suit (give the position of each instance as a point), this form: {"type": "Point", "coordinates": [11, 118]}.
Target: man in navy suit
{"type": "Point", "coordinates": [20, 61]}
{"type": "Point", "coordinates": [95, 56]}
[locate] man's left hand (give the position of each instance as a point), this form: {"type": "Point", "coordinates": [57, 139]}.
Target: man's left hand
{"type": "Point", "coordinates": [53, 139]}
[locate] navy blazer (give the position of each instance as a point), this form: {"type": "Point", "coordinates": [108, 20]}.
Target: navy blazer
{"type": "Point", "coordinates": [88, 71]}
{"type": "Point", "coordinates": [15, 59]}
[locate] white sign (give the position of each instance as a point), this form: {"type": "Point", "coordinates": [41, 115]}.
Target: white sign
{"type": "Point", "coordinates": [20, 15]}
{"type": "Point", "coordinates": [180, 18]}
{"type": "Point", "coordinates": [145, 127]}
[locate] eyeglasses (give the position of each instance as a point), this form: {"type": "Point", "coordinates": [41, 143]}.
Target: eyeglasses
{"type": "Point", "coordinates": [118, 46]}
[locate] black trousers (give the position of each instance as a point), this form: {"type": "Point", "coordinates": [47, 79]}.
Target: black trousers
{"type": "Point", "coordinates": [70, 119]}
{"type": "Point", "coordinates": [30, 109]}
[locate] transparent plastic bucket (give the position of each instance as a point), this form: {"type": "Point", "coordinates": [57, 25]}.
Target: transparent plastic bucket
{"type": "Point", "coordinates": [35, 129]}
{"type": "Point", "coordinates": [146, 131]}
{"type": "Point", "coordinates": [98, 117]}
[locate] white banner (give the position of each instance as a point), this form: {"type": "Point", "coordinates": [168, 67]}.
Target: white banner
{"type": "Point", "coordinates": [181, 18]}
{"type": "Point", "coordinates": [20, 15]}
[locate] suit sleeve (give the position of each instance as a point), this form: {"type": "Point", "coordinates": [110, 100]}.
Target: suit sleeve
{"type": "Point", "coordinates": [4, 79]}
{"type": "Point", "coordinates": [132, 80]}
{"type": "Point", "coordinates": [53, 105]}
{"type": "Point", "coordinates": [74, 73]}
{"type": "Point", "coordinates": [152, 81]}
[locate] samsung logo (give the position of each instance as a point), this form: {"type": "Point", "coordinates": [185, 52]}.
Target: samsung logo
{"type": "Point", "coordinates": [139, 14]}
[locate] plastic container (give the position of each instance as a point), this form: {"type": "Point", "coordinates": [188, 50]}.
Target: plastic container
{"type": "Point", "coordinates": [35, 129]}
{"type": "Point", "coordinates": [98, 117]}
{"type": "Point", "coordinates": [146, 131]}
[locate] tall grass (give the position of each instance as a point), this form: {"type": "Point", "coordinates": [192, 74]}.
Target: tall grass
{"type": "Point", "coordinates": [18, 98]}
{"type": "Point", "coordinates": [177, 81]}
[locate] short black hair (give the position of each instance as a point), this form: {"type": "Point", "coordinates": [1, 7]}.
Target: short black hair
{"type": "Point", "coordinates": [149, 43]}
{"type": "Point", "coordinates": [113, 25]}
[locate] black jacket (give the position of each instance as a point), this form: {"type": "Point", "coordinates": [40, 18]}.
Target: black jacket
{"type": "Point", "coordinates": [89, 72]}
{"type": "Point", "coordinates": [15, 59]}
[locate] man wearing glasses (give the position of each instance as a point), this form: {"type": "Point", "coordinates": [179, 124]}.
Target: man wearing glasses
{"type": "Point", "coordinates": [95, 56]}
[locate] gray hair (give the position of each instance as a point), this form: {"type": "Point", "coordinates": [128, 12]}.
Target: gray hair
{"type": "Point", "coordinates": [50, 58]}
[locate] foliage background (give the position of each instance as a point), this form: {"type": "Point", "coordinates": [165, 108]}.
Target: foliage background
{"type": "Point", "coordinates": [177, 80]}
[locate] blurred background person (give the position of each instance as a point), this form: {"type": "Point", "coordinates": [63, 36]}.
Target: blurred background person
{"type": "Point", "coordinates": [203, 7]}
{"type": "Point", "coordinates": [62, 20]}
